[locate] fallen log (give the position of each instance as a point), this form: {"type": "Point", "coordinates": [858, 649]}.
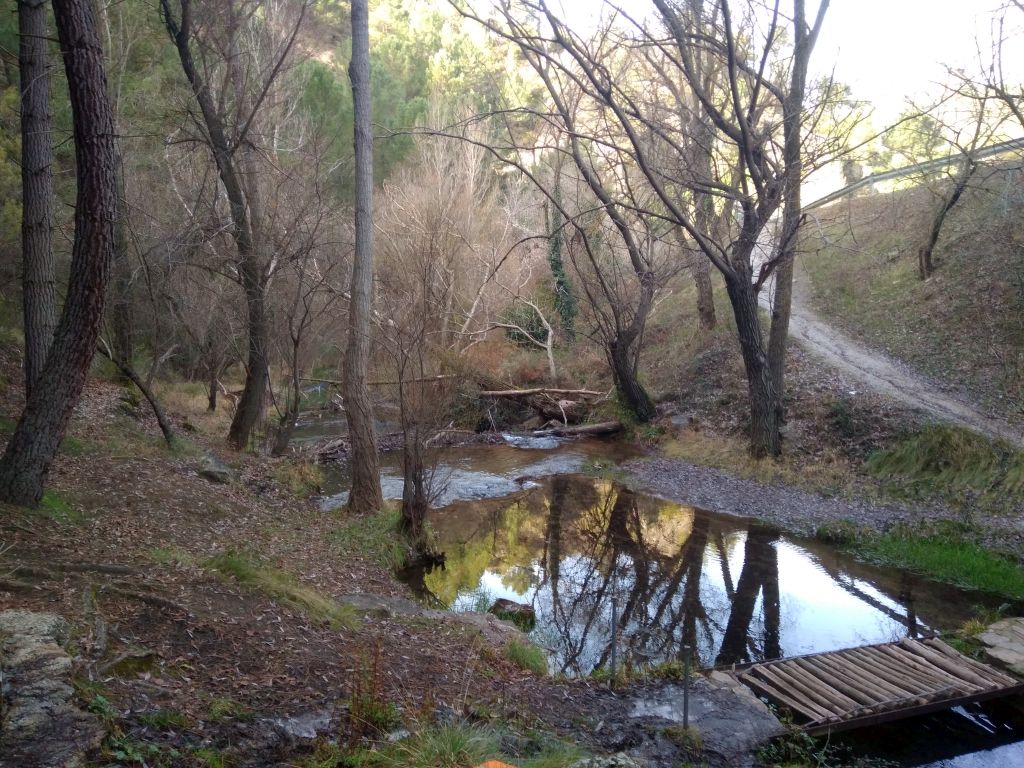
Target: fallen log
{"type": "Point", "coordinates": [599, 428]}
{"type": "Point", "coordinates": [538, 391]}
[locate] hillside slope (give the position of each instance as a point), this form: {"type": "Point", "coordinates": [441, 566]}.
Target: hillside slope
{"type": "Point", "coordinates": [963, 327]}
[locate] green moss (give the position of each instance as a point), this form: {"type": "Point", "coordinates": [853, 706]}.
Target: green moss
{"type": "Point", "coordinates": [283, 587]}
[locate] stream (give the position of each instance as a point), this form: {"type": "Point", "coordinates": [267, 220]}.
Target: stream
{"type": "Point", "coordinates": [544, 523]}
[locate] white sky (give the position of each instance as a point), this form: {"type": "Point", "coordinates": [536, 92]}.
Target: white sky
{"type": "Point", "coordinates": [886, 50]}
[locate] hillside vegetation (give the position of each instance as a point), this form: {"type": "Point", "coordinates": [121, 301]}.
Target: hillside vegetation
{"type": "Point", "coordinates": [964, 326]}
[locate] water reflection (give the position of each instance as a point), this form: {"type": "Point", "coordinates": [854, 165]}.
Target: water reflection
{"type": "Point", "coordinates": [732, 590]}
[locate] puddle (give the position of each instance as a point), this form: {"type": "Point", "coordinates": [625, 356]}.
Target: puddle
{"type": "Point", "coordinates": [576, 549]}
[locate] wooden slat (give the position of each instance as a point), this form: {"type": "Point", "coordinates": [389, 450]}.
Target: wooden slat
{"type": "Point", "coordinates": [771, 675]}
{"type": "Point", "coordinates": [861, 686]}
{"type": "Point", "coordinates": [760, 686]}
{"type": "Point", "coordinates": [916, 663]}
{"type": "Point", "coordinates": [942, 661]}
{"type": "Point", "coordinates": [926, 676]}
{"type": "Point", "coordinates": [981, 669]}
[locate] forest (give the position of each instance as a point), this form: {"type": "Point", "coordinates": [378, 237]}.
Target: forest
{"type": "Point", "coordinates": [367, 368]}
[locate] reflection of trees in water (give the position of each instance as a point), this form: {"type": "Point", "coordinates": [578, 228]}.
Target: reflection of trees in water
{"type": "Point", "coordinates": [573, 545]}
{"type": "Point", "coordinates": [665, 603]}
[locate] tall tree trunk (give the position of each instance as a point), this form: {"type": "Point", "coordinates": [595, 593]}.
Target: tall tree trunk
{"type": "Point", "coordinates": [792, 212]}
{"type": "Point", "coordinates": [765, 403]}
{"type": "Point", "coordinates": [38, 294]}
{"type": "Point", "coordinates": [257, 369]}
{"type": "Point", "coordinates": [365, 495]}
{"type": "Point", "coordinates": [701, 271]}
{"type": "Point", "coordinates": [122, 337]}
{"type": "Point", "coordinates": [28, 456]}
{"type": "Point", "coordinates": [250, 266]}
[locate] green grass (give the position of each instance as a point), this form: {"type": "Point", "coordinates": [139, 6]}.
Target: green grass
{"type": "Point", "coordinates": [225, 708]}
{"type": "Point", "coordinates": [526, 656]}
{"type": "Point", "coordinates": [283, 587]}
{"type": "Point", "coordinates": [947, 557]}
{"type": "Point", "coordinates": [165, 719]}
{"type": "Point", "coordinates": [56, 507]}
{"type": "Point", "coordinates": [374, 538]}
{"type": "Point", "coordinates": [452, 746]}
{"type": "Point", "coordinates": [951, 462]}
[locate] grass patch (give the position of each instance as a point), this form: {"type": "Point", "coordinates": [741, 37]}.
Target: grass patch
{"type": "Point", "coordinates": [527, 656]}
{"type": "Point", "coordinates": [73, 446]}
{"type": "Point", "coordinates": [374, 538]}
{"type": "Point", "coordinates": [302, 479]}
{"type": "Point", "coordinates": [165, 719]}
{"type": "Point", "coordinates": [732, 454]}
{"type": "Point", "coordinates": [224, 708]}
{"type": "Point", "coordinates": [283, 587]}
{"type": "Point", "coordinates": [453, 746]}
{"type": "Point", "coordinates": [951, 462]}
{"type": "Point", "coordinates": [170, 556]}
{"type": "Point", "coordinates": [946, 556]}
{"type": "Point", "coordinates": [56, 507]}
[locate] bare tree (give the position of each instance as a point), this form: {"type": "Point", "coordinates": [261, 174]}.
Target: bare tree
{"type": "Point", "coordinates": [231, 138]}
{"type": "Point", "coordinates": [37, 278]}
{"type": "Point", "coordinates": [31, 450]}
{"type": "Point", "coordinates": [746, 103]}
{"type": "Point", "coordinates": [365, 495]}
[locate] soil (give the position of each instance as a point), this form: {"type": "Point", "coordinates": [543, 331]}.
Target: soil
{"type": "Point", "coordinates": [121, 559]}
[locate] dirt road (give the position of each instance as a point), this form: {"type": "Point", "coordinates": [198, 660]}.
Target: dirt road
{"type": "Point", "coordinates": [882, 374]}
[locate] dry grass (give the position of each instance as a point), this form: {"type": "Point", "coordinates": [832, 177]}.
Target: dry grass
{"type": "Point", "coordinates": [831, 473]}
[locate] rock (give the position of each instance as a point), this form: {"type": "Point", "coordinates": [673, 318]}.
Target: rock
{"type": "Point", "coordinates": [216, 471]}
{"type": "Point", "coordinates": [305, 727]}
{"type": "Point", "coordinates": [1004, 644]}
{"type": "Point", "coordinates": [42, 727]}
{"type": "Point", "coordinates": [520, 614]}
{"type": "Point", "coordinates": [621, 760]}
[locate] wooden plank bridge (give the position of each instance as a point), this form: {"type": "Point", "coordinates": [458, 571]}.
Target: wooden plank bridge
{"type": "Point", "coordinates": [841, 690]}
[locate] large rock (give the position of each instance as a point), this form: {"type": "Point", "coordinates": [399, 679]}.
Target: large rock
{"type": "Point", "coordinates": [1004, 644]}
{"type": "Point", "coordinates": [520, 614]}
{"type": "Point", "coordinates": [216, 471]}
{"type": "Point", "coordinates": [41, 727]}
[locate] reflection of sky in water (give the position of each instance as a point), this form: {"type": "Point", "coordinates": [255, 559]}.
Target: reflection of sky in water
{"type": "Point", "coordinates": [817, 614]}
{"type": "Point", "coordinates": [791, 598]}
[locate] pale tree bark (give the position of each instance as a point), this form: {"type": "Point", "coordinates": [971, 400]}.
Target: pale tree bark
{"type": "Point", "coordinates": [38, 294]}
{"type": "Point", "coordinates": [804, 38]}
{"type": "Point", "coordinates": [31, 450]}
{"type": "Point", "coordinates": [365, 495]}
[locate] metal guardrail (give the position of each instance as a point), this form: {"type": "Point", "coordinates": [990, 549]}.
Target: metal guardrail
{"type": "Point", "coordinates": [928, 165]}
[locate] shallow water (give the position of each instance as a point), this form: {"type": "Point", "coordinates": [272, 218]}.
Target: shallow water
{"type": "Point", "coordinates": [577, 548]}
{"type": "Point", "coordinates": [516, 522]}
{"type": "Point", "coordinates": [488, 471]}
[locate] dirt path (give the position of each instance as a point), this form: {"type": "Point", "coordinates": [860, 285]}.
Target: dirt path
{"type": "Point", "coordinates": [882, 374]}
